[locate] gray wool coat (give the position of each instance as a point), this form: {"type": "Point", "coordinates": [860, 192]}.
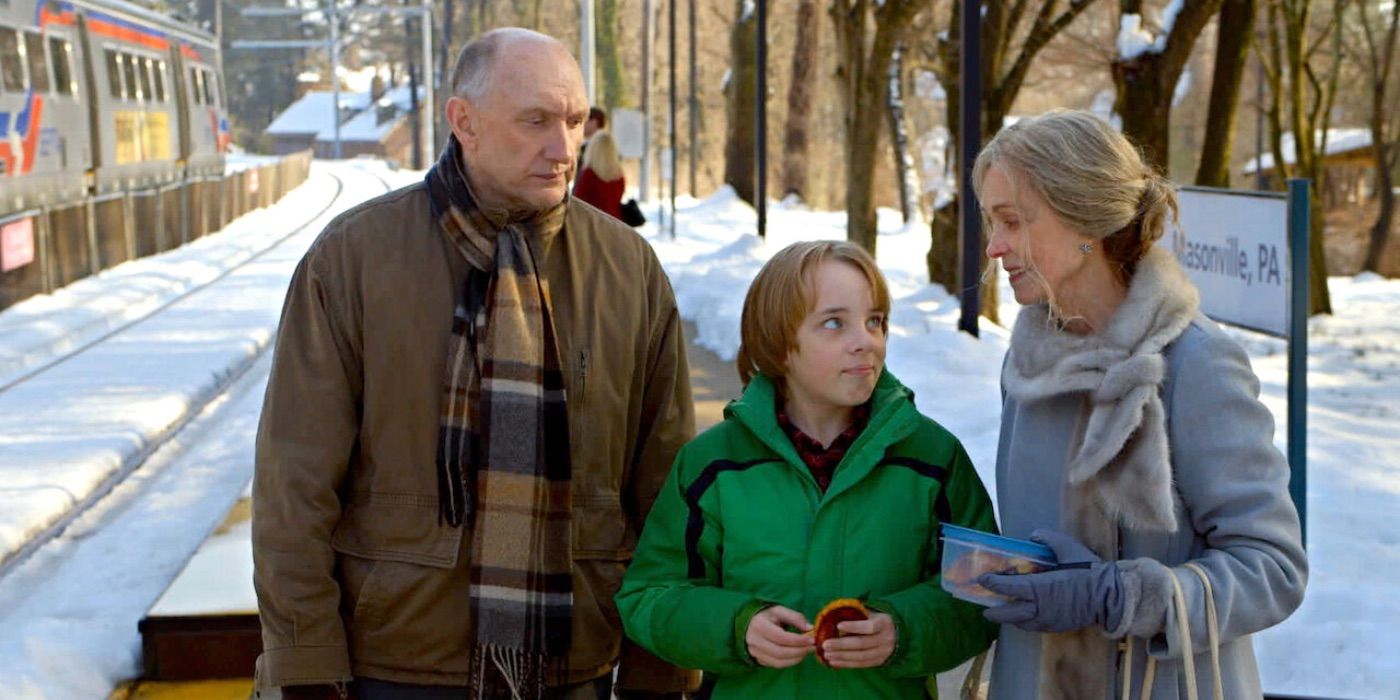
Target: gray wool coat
{"type": "Point", "coordinates": [1233, 517]}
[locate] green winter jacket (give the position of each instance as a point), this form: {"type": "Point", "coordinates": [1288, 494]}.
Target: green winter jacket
{"type": "Point", "coordinates": [741, 524]}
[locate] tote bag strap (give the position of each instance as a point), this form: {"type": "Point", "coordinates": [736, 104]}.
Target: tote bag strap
{"type": "Point", "coordinates": [1212, 627]}
{"type": "Point", "coordinates": [1188, 656]}
{"type": "Point", "coordinates": [972, 683]}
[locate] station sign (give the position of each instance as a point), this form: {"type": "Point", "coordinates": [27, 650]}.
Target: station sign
{"type": "Point", "coordinates": [1234, 247]}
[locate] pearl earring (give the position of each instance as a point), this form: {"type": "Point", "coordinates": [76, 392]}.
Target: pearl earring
{"type": "Point", "coordinates": [1086, 248]}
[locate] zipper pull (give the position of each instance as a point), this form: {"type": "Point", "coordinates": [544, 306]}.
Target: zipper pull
{"type": "Point", "coordinates": [582, 368]}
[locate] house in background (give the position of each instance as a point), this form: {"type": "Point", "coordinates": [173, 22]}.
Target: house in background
{"type": "Point", "coordinates": [1350, 163]}
{"type": "Point", "coordinates": [382, 128]}
{"type": "Point", "coordinates": [296, 127]}
{"type": "Point", "coordinates": [375, 125]}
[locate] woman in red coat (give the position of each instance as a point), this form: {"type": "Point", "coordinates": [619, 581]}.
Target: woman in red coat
{"type": "Point", "coordinates": [601, 181]}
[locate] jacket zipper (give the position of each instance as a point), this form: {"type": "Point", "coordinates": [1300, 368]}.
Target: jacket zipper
{"type": "Point", "coordinates": [582, 369]}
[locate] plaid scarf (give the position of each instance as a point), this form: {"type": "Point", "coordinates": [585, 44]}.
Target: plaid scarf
{"type": "Point", "coordinates": [503, 448]}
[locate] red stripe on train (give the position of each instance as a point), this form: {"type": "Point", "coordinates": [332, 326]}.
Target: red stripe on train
{"type": "Point", "coordinates": [127, 34]}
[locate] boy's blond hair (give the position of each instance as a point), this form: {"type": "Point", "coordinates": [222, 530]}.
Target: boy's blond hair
{"type": "Point", "coordinates": [782, 295]}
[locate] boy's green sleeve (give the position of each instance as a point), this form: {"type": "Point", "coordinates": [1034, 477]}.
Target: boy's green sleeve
{"type": "Point", "coordinates": [687, 621]}
{"type": "Point", "coordinates": [937, 631]}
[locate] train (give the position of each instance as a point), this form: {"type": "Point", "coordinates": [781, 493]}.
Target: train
{"type": "Point", "coordinates": [114, 142]}
{"type": "Point", "coordinates": [99, 96]}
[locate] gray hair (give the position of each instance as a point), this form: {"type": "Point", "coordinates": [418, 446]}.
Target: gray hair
{"type": "Point", "coordinates": [476, 63]}
{"type": "Point", "coordinates": [1091, 176]}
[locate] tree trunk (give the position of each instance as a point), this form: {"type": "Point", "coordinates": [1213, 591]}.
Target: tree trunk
{"type": "Point", "coordinates": [739, 138]}
{"type": "Point", "coordinates": [943, 251]}
{"type": "Point", "coordinates": [1382, 63]}
{"type": "Point", "coordinates": [445, 56]}
{"type": "Point", "coordinates": [942, 258]}
{"type": "Point", "coordinates": [1147, 82]}
{"type": "Point", "coordinates": [1002, 79]}
{"type": "Point", "coordinates": [415, 112]}
{"type": "Point", "coordinates": [1236, 28]}
{"type": "Point", "coordinates": [795, 137]}
{"type": "Point", "coordinates": [609, 58]}
{"type": "Point", "coordinates": [899, 140]}
{"type": "Point", "coordinates": [1380, 231]}
{"type": "Point", "coordinates": [865, 81]}
{"type": "Point", "coordinates": [862, 145]}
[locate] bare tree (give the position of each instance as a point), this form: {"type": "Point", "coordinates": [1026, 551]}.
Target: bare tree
{"type": "Point", "coordinates": [865, 52]}
{"type": "Point", "coordinates": [1378, 64]}
{"type": "Point", "coordinates": [908, 180]}
{"type": "Point", "coordinates": [739, 138]}
{"type": "Point", "coordinates": [795, 130]}
{"type": "Point", "coordinates": [1303, 94]}
{"type": "Point", "coordinates": [1233, 35]}
{"type": "Point", "coordinates": [445, 65]}
{"type": "Point", "coordinates": [614, 83]}
{"type": "Point", "coordinates": [1009, 46]}
{"type": "Point", "coordinates": [1146, 73]}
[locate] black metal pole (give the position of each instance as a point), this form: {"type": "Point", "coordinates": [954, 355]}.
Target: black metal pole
{"type": "Point", "coordinates": [761, 111]}
{"type": "Point", "coordinates": [969, 143]}
{"type": "Point", "coordinates": [671, 20]}
{"type": "Point", "coordinates": [1299, 226]}
{"type": "Point", "coordinates": [694, 108]}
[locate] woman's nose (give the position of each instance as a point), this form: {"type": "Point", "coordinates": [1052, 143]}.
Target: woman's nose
{"type": "Point", "coordinates": [996, 246]}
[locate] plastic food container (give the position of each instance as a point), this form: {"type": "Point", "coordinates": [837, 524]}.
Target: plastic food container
{"type": "Point", "coordinates": [968, 554]}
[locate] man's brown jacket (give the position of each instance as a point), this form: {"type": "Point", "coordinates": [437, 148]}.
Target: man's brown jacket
{"type": "Point", "coordinates": [355, 574]}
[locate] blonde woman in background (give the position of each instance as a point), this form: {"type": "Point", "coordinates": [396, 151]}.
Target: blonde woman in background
{"type": "Point", "coordinates": [1133, 442]}
{"type": "Point", "coordinates": [601, 181]}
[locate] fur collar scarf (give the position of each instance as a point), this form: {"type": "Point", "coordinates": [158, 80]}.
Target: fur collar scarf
{"type": "Point", "coordinates": [1119, 471]}
{"type": "Point", "coordinates": [1121, 459]}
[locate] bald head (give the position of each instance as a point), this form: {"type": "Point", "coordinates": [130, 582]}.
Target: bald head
{"type": "Point", "coordinates": [517, 111]}
{"type": "Point", "coordinates": [476, 69]}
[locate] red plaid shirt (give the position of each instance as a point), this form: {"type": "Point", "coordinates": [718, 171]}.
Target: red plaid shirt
{"type": "Point", "coordinates": [820, 460]}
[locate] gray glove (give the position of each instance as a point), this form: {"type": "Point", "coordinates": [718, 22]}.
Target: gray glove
{"type": "Point", "coordinates": [1082, 590]}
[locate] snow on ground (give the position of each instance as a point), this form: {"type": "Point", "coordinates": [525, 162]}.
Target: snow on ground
{"type": "Point", "coordinates": [1340, 643]}
{"type": "Point", "coordinates": [68, 613]}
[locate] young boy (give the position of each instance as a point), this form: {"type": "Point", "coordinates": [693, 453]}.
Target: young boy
{"type": "Point", "coordinates": [823, 482]}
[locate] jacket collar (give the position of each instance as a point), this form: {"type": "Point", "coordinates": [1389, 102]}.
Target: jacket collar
{"type": "Point", "coordinates": [892, 418]}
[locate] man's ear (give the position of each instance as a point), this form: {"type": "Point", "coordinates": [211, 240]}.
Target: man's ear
{"type": "Point", "coordinates": [461, 118]}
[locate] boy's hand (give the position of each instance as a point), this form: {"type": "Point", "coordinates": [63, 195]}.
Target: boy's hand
{"type": "Point", "coordinates": [866, 644]}
{"type": "Point", "coordinates": [773, 646]}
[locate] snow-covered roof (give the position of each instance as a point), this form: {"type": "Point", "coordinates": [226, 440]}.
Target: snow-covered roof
{"type": "Point", "coordinates": [370, 124]}
{"type": "Point", "coordinates": [401, 96]}
{"type": "Point", "coordinates": [312, 113]}
{"type": "Point", "coordinates": [1338, 141]}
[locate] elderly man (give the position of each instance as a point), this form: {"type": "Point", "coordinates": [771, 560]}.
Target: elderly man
{"type": "Point", "coordinates": [478, 389]}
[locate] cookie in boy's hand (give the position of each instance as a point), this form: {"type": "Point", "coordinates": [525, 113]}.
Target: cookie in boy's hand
{"type": "Point", "coordinates": [836, 612]}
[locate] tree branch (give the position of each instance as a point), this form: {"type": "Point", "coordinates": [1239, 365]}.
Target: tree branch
{"type": "Point", "coordinates": [1189, 22]}
{"type": "Point", "coordinates": [1038, 39]}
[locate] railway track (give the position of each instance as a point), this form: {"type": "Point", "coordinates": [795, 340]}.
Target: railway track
{"type": "Point", "coordinates": [30, 382]}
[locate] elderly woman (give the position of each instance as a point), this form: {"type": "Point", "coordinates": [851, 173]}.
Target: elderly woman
{"type": "Point", "coordinates": [1132, 441]}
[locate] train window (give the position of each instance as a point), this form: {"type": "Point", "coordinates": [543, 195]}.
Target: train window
{"type": "Point", "coordinates": [159, 70]}
{"type": "Point", "coordinates": [62, 76]}
{"type": "Point", "coordinates": [129, 72]}
{"type": "Point", "coordinates": [195, 89]}
{"type": "Point", "coordinates": [143, 68]}
{"type": "Point", "coordinates": [208, 88]}
{"type": "Point", "coordinates": [38, 65]}
{"type": "Point", "coordinates": [114, 73]}
{"type": "Point", "coordinates": [11, 63]}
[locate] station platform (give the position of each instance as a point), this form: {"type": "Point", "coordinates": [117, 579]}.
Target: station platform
{"type": "Point", "coordinates": [201, 638]}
